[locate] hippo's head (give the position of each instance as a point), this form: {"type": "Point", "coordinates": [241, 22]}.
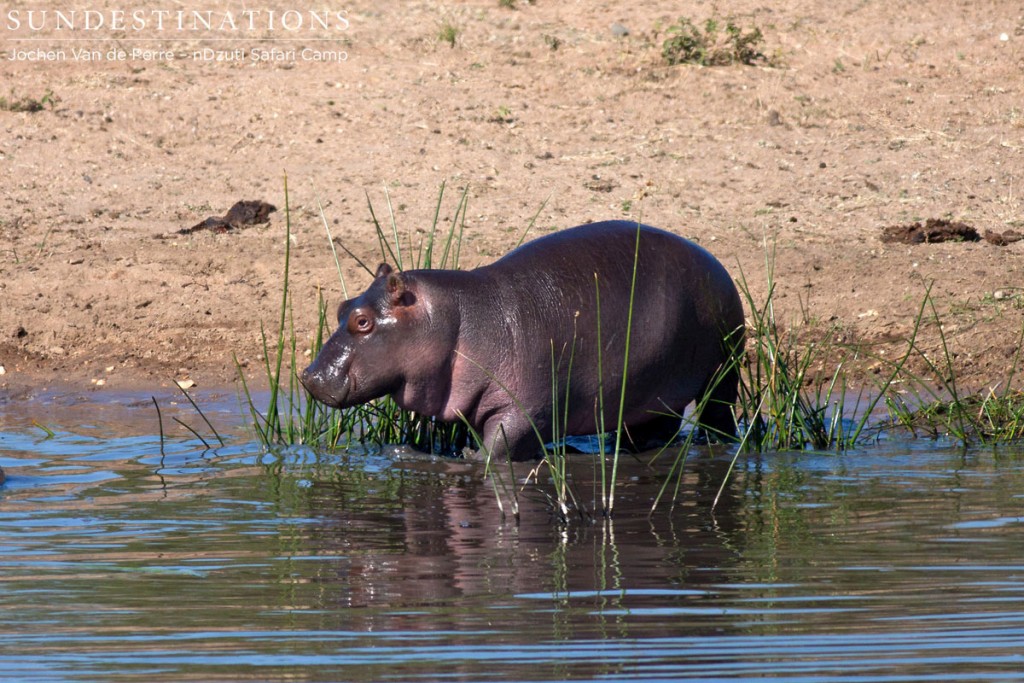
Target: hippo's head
{"type": "Point", "coordinates": [363, 359]}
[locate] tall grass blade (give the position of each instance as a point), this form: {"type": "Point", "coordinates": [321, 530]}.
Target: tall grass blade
{"type": "Point", "coordinates": [196, 434]}
{"type": "Point", "coordinates": [201, 414]}
{"type": "Point", "coordinates": [385, 246]}
{"type": "Point", "coordinates": [49, 433]}
{"type": "Point", "coordinates": [533, 221]}
{"type": "Point", "coordinates": [599, 421]}
{"type": "Point", "coordinates": [334, 251]}
{"type": "Point", "coordinates": [160, 422]}
{"type": "Point", "coordinates": [625, 374]}
{"type": "Point", "coordinates": [399, 263]}
{"type": "Point", "coordinates": [453, 245]}
{"type": "Point", "coordinates": [273, 416]}
{"type": "Point", "coordinates": [428, 253]}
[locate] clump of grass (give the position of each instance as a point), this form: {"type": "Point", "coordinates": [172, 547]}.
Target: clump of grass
{"type": "Point", "coordinates": [448, 33]}
{"type": "Point", "coordinates": [773, 412]}
{"type": "Point", "coordinates": [292, 416]}
{"type": "Point", "coordinates": [502, 115]}
{"type": "Point", "coordinates": [779, 412]}
{"type": "Point", "coordinates": [774, 409]}
{"type": "Point", "coordinates": [688, 43]}
{"type": "Point", "coordinates": [14, 103]}
{"type": "Point", "coordinates": [989, 417]}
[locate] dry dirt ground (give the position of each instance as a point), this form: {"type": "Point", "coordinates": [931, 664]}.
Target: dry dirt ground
{"type": "Point", "coordinates": [872, 113]}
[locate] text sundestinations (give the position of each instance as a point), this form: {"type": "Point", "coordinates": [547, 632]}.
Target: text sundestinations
{"type": "Point", "coordinates": [177, 20]}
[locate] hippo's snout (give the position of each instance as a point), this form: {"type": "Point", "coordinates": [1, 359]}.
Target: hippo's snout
{"type": "Point", "coordinates": [306, 377]}
{"type": "Point", "coordinates": [320, 387]}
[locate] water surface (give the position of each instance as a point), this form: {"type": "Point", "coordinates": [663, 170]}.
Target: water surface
{"type": "Point", "coordinates": [118, 562]}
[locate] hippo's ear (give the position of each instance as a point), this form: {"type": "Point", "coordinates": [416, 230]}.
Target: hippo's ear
{"type": "Point", "coordinates": [398, 290]}
{"type": "Point", "coordinates": [383, 270]}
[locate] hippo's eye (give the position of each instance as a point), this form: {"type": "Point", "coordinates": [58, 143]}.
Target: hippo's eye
{"type": "Point", "coordinates": [360, 322]}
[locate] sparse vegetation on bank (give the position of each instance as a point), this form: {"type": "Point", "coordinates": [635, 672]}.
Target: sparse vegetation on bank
{"type": "Point", "coordinates": [716, 43]}
{"type": "Point", "coordinates": [448, 33]}
{"type": "Point", "coordinates": [23, 103]}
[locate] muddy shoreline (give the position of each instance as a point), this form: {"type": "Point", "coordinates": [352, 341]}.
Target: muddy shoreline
{"type": "Point", "coordinates": [869, 116]}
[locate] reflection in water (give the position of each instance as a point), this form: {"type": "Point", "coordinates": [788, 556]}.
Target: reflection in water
{"type": "Point", "coordinates": [438, 537]}
{"type": "Point", "coordinates": [119, 562]}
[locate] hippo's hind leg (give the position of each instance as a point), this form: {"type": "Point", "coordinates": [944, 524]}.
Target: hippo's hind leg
{"type": "Point", "coordinates": [717, 398]}
{"type": "Point", "coordinates": [510, 437]}
{"type": "Point", "coordinates": [715, 404]}
{"type": "Point", "coordinates": [654, 433]}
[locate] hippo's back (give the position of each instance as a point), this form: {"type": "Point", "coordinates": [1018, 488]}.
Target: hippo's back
{"type": "Point", "coordinates": [670, 269]}
{"type": "Point", "coordinates": [605, 243]}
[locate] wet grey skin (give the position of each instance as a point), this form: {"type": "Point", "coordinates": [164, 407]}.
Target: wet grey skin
{"type": "Point", "coordinates": [480, 345]}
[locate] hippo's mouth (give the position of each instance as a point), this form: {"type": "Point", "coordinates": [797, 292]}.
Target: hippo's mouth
{"type": "Point", "coordinates": [337, 397]}
{"type": "Point", "coordinates": [331, 391]}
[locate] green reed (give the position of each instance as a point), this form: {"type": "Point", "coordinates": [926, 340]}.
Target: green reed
{"type": "Point", "coordinates": [292, 416]}
{"type": "Point", "coordinates": [935, 404]}
{"type": "Point", "coordinates": [776, 410]}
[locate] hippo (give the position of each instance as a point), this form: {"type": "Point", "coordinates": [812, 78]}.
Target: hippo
{"type": "Point", "coordinates": [487, 345]}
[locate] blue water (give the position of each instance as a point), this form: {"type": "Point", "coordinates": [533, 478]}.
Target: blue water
{"type": "Point", "coordinates": [902, 562]}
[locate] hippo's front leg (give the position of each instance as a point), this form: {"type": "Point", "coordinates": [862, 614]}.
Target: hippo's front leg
{"type": "Point", "coordinates": [510, 436]}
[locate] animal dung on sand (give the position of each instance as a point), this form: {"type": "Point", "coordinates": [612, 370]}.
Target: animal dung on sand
{"type": "Point", "coordinates": [242, 214]}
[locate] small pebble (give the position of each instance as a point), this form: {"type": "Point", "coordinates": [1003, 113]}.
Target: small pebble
{"type": "Point", "coordinates": [3, 370]}
{"type": "Point", "coordinates": [619, 31]}
{"type": "Point", "coordinates": [1004, 37]}
{"type": "Point", "coordinates": [999, 295]}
